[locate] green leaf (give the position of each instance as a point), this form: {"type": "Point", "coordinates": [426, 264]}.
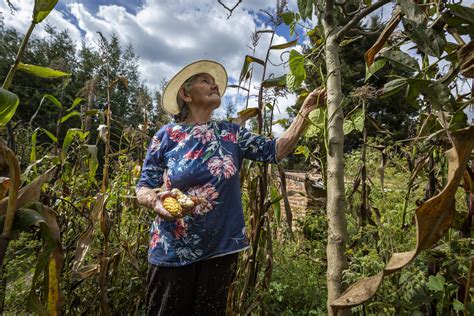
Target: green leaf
{"type": "Point", "coordinates": [71, 133]}
{"type": "Point", "coordinates": [394, 86]}
{"type": "Point", "coordinates": [318, 122]}
{"type": "Point", "coordinates": [42, 72]}
{"type": "Point", "coordinates": [302, 150]}
{"type": "Point", "coordinates": [288, 17]}
{"type": "Point", "coordinates": [8, 104]}
{"type": "Point", "coordinates": [93, 162]}
{"type": "Point", "coordinates": [458, 121]}
{"type": "Point", "coordinates": [75, 103]}
{"type": "Point", "coordinates": [283, 122]}
{"type": "Point", "coordinates": [438, 95]}
{"type": "Point", "coordinates": [53, 99]}
{"type": "Point", "coordinates": [436, 283]}
{"type": "Point", "coordinates": [274, 82]}
{"type": "Point", "coordinates": [24, 218]}
{"type": "Point", "coordinates": [296, 62]}
{"type": "Point", "coordinates": [412, 10]}
{"type": "Point", "coordinates": [355, 122]}
{"type": "Point", "coordinates": [34, 140]}
{"type": "Point", "coordinates": [305, 7]}
{"type": "Point", "coordinates": [50, 135]}
{"type": "Point", "coordinates": [42, 9]}
{"type": "Point", "coordinates": [401, 60]}
{"type": "Point", "coordinates": [376, 66]}
{"type": "Point", "coordinates": [276, 198]}
{"type": "Point", "coordinates": [462, 12]}
{"type": "Point", "coordinates": [245, 68]}
{"type": "Point", "coordinates": [50, 243]}
{"type": "Point", "coordinates": [426, 39]}
{"type": "Point", "coordinates": [290, 82]}
{"type": "Point", "coordinates": [285, 45]}
{"type": "Point", "coordinates": [68, 116]}
{"type": "Point", "coordinates": [458, 306]}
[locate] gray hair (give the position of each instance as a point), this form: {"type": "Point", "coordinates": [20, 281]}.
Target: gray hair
{"type": "Point", "coordinates": [183, 107]}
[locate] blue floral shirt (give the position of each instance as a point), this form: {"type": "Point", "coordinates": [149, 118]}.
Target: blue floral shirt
{"type": "Point", "coordinates": [201, 160]}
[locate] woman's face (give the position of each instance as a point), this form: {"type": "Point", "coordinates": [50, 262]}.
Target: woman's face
{"type": "Point", "coordinates": [203, 93]}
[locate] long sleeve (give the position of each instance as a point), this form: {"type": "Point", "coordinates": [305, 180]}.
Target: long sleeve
{"type": "Point", "coordinates": [256, 147]}
{"type": "Point", "coordinates": [154, 165]}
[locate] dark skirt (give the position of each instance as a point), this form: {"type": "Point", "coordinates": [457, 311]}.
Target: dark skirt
{"type": "Point", "coordinates": [196, 289]}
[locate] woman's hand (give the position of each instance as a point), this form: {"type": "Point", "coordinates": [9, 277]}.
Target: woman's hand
{"type": "Point", "coordinates": [161, 210]}
{"type": "Point", "coordinates": [315, 99]}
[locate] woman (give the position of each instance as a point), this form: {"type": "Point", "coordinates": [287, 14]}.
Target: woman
{"type": "Point", "coordinates": [192, 255]}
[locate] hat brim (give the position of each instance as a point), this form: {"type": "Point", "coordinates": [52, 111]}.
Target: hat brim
{"type": "Point", "coordinates": [215, 69]}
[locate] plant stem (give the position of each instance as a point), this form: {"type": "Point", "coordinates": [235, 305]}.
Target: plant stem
{"type": "Point", "coordinates": [19, 55]}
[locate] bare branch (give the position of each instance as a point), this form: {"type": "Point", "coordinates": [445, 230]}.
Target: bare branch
{"type": "Point", "coordinates": [13, 9]}
{"type": "Point", "coordinates": [359, 16]}
{"type": "Point", "coordinates": [229, 9]}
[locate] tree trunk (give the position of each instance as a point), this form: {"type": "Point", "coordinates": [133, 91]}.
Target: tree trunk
{"type": "Point", "coordinates": [337, 225]}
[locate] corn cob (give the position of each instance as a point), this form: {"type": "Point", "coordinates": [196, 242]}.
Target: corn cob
{"type": "Point", "coordinates": [176, 205]}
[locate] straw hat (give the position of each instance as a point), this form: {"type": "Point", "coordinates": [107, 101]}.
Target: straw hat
{"type": "Point", "coordinates": [216, 70]}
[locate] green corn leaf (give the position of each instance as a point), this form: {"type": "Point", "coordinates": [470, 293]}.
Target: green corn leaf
{"type": "Point", "coordinates": [8, 104]}
{"type": "Point", "coordinates": [245, 68]}
{"type": "Point", "coordinates": [75, 103]}
{"type": "Point", "coordinates": [285, 45]}
{"type": "Point", "coordinates": [42, 72]}
{"type": "Point", "coordinates": [53, 99]}
{"type": "Point", "coordinates": [42, 9]}
{"type": "Point", "coordinates": [68, 116]}
{"type": "Point", "coordinates": [71, 133]}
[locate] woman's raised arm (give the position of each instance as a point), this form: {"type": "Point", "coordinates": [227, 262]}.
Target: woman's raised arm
{"type": "Point", "coordinates": [287, 142]}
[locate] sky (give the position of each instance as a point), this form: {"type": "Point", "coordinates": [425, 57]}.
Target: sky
{"type": "Point", "coordinates": [168, 34]}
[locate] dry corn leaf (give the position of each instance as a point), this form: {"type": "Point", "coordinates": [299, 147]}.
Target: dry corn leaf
{"type": "Point", "coordinates": [380, 42]}
{"type": "Point", "coordinates": [29, 193]}
{"type": "Point", "coordinates": [433, 218]}
{"type": "Point", "coordinates": [83, 243]}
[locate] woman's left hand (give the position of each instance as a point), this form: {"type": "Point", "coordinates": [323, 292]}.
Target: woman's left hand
{"type": "Point", "coordinates": [315, 99]}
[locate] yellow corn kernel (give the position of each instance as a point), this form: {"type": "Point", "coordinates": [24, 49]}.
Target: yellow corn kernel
{"type": "Point", "coordinates": [172, 206]}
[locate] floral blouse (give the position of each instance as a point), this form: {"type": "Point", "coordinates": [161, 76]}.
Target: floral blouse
{"type": "Point", "coordinates": [201, 160]}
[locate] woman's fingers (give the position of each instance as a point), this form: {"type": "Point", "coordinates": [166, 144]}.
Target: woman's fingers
{"type": "Point", "coordinates": [315, 98]}
{"type": "Point", "coordinates": [161, 210]}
